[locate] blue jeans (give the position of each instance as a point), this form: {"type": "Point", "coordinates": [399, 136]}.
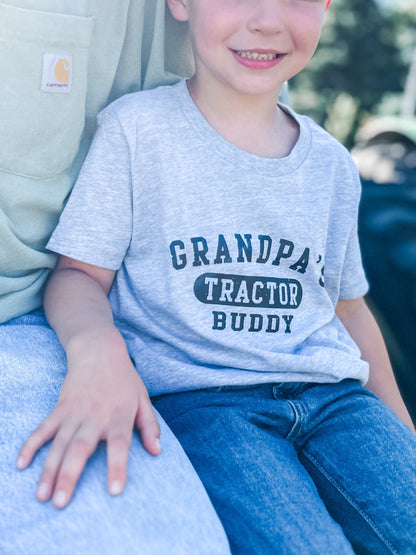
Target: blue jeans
{"type": "Point", "coordinates": [301, 468]}
{"type": "Point", "coordinates": [164, 509]}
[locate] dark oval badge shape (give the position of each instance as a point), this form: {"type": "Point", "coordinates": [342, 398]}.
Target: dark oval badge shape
{"type": "Point", "coordinates": [248, 291]}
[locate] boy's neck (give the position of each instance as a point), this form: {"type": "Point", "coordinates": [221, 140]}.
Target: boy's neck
{"type": "Point", "coordinates": [253, 123]}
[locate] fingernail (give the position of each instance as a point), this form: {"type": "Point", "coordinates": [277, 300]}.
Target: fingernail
{"type": "Point", "coordinates": [59, 499]}
{"type": "Point", "coordinates": [115, 487]}
{"type": "Point", "coordinates": [157, 443]}
{"type": "Point", "coordinates": [20, 463]}
{"type": "Point", "coordinates": [42, 491]}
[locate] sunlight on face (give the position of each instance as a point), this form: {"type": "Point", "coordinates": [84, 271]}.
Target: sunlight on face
{"type": "Point", "coordinates": [251, 46]}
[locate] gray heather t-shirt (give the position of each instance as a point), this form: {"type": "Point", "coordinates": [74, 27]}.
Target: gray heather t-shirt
{"type": "Point", "coordinates": [229, 265]}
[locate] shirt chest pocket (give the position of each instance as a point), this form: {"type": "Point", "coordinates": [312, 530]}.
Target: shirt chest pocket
{"type": "Point", "coordinates": [43, 86]}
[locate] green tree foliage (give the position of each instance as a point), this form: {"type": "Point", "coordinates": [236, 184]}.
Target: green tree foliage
{"type": "Point", "coordinates": [357, 63]}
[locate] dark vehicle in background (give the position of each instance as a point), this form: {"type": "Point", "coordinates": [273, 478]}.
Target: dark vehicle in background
{"type": "Point", "coordinates": [385, 154]}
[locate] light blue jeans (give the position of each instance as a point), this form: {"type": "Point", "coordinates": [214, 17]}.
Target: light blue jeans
{"type": "Point", "coordinates": [163, 511]}
{"type": "Point", "coordinates": [301, 469]}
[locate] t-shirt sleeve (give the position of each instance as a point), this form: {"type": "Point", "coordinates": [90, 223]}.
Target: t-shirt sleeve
{"type": "Point", "coordinates": [96, 224]}
{"type": "Point", "coordinates": [353, 283]}
{"type": "Point", "coordinates": [353, 280]}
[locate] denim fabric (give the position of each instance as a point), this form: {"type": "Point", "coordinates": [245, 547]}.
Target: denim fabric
{"type": "Point", "coordinates": [301, 468]}
{"type": "Point", "coordinates": [164, 509]}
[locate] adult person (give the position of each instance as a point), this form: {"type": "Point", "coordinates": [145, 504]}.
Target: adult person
{"type": "Point", "coordinates": [62, 61]}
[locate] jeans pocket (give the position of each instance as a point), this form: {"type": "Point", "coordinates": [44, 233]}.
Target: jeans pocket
{"type": "Point", "coordinates": [44, 64]}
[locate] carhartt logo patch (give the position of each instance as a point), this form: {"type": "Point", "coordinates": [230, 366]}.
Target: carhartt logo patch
{"type": "Point", "coordinates": [57, 73]}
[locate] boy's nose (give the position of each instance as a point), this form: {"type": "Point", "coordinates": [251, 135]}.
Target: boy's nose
{"type": "Point", "coordinates": [266, 16]}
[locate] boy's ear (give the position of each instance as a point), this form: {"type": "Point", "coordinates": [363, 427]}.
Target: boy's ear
{"type": "Point", "coordinates": [178, 9]}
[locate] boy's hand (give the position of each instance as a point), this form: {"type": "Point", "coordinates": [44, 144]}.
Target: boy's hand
{"type": "Point", "coordinates": [102, 398]}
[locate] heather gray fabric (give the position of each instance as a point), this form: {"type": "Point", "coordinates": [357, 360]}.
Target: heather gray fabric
{"type": "Point", "coordinates": [164, 509]}
{"type": "Point", "coordinates": [230, 265]}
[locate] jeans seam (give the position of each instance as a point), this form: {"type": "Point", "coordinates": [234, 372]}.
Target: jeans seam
{"type": "Point", "coordinates": [352, 502]}
{"type": "Point", "coordinates": [300, 416]}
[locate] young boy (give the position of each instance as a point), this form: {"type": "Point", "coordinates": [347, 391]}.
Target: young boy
{"type": "Point", "coordinates": [231, 223]}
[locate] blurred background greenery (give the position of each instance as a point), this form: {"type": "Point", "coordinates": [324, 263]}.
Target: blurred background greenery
{"type": "Point", "coordinates": [360, 67]}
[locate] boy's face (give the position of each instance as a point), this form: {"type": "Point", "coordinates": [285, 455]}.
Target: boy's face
{"type": "Point", "coordinates": [252, 46]}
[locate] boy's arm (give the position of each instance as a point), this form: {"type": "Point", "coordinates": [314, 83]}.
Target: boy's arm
{"type": "Point", "coordinates": [361, 325]}
{"type": "Point", "coordinates": [102, 396]}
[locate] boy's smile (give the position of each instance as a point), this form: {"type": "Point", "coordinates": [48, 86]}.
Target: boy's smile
{"type": "Point", "coordinates": [250, 47]}
{"type": "Point", "coordinates": [258, 59]}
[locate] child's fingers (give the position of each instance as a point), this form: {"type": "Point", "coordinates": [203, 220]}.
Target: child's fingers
{"type": "Point", "coordinates": [43, 433]}
{"type": "Point", "coordinates": [149, 428]}
{"type": "Point", "coordinates": [81, 446]}
{"type": "Point", "coordinates": [53, 461]}
{"type": "Point", "coordinates": [118, 445]}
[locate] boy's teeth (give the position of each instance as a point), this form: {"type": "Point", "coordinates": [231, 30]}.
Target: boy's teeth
{"type": "Point", "coordinates": [256, 55]}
